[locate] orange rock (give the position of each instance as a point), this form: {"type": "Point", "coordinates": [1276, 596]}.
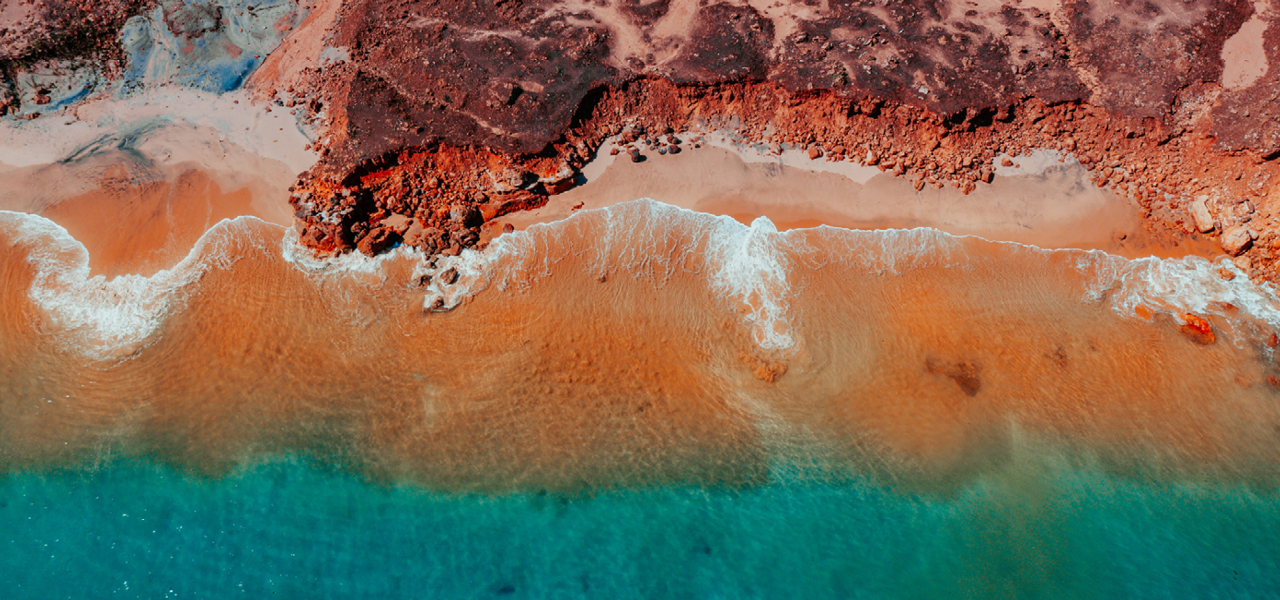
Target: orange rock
{"type": "Point", "coordinates": [1197, 328]}
{"type": "Point", "coordinates": [1143, 312]}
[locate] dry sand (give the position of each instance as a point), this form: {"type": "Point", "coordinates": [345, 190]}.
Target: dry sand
{"type": "Point", "coordinates": [1041, 201]}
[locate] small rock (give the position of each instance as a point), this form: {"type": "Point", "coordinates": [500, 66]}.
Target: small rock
{"type": "Point", "coordinates": [1243, 263]}
{"type": "Point", "coordinates": [468, 216]}
{"type": "Point", "coordinates": [673, 149]}
{"type": "Point", "coordinates": [814, 152]}
{"type": "Point", "coordinates": [508, 228]}
{"type": "Point", "coordinates": [1006, 162]}
{"type": "Point", "coordinates": [450, 276]}
{"type": "Point", "coordinates": [635, 155]}
{"type": "Point", "coordinates": [377, 240]}
{"type": "Point", "coordinates": [1197, 328]}
{"type": "Point", "coordinates": [1236, 240]}
{"type": "Point", "coordinates": [1200, 214]}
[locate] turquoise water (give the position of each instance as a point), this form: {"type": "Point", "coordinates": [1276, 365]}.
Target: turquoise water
{"type": "Point", "coordinates": [291, 529]}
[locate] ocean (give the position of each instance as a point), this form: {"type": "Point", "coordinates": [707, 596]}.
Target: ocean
{"type": "Point", "coordinates": [638, 401]}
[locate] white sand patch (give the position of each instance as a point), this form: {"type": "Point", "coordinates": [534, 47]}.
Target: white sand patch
{"type": "Point", "coordinates": [270, 132]}
{"type": "Point", "coordinates": [1032, 163]}
{"type": "Point", "coordinates": [1244, 59]}
{"type": "Point", "coordinates": [791, 157]}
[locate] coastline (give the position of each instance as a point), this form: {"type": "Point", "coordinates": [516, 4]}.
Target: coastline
{"type": "Point", "coordinates": [1045, 202]}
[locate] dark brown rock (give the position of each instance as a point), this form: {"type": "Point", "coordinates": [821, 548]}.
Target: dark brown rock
{"type": "Point", "coordinates": [449, 276]}
{"type": "Point", "coordinates": [377, 240]}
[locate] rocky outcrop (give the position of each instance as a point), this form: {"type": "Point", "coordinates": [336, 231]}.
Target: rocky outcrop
{"type": "Point", "coordinates": [38, 36]}
{"type": "Point", "coordinates": [927, 90]}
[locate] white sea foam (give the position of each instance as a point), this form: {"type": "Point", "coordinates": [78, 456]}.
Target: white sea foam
{"type": "Point", "coordinates": [749, 266]}
{"type": "Point", "coordinates": [1174, 286]}
{"type": "Point", "coordinates": [1185, 285]}
{"type": "Point", "coordinates": [351, 263]}
{"type": "Point", "coordinates": [110, 318]}
{"type": "Point", "coordinates": [879, 252]}
{"type": "Point", "coordinates": [752, 266]}
{"type": "Point", "coordinates": [649, 241]}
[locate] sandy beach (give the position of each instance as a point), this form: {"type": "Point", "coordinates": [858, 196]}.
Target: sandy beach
{"type": "Point", "coordinates": [139, 180]}
{"type": "Point", "coordinates": [1044, 200]}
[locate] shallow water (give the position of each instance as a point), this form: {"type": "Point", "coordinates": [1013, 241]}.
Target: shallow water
{"type": "Point", "coordinates": [638, 401]}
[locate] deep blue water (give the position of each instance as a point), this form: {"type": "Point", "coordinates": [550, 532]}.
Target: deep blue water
{"type": "Point", "coordinates": [291, 530]}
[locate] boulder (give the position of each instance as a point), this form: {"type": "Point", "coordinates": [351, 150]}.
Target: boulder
{"type": "Point", "coordinates": [1199, 210]}
{"type": "Point", "coordinates": [377, 240]}
{"type": "Point", "coordinates": [468, 216]}
{"type": "Point", "coordinates": [1236, 240]}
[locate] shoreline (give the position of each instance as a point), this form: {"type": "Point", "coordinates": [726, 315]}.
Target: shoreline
{"type": "Point", "coordinates": [139, 179]}
{"type": "Point", "coordinates": [140, 214]}
{"type": "Point", "coordinates": [1044, 201]}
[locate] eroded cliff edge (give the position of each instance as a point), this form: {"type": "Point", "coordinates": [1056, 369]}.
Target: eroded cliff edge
{"type": "Point", "coordinates": [435, 116]}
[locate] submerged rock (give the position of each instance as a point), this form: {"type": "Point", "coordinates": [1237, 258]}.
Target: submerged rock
{"type": "Point", "coordinates": [1197, 329]}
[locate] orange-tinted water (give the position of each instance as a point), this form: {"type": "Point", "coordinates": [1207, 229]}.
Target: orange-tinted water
{"type": "Point", "coordinates": [638, 344]}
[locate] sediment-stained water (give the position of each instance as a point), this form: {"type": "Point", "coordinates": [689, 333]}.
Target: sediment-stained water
{"type": "Point", "coordinates": [639, 401]}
